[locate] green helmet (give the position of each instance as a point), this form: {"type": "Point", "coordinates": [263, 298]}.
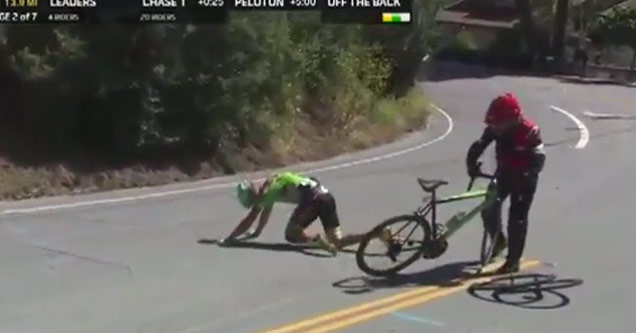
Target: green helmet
{"type": "Point", "coordinates": [245, 193]}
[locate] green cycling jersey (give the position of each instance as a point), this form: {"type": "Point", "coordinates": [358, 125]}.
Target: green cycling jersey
{"type": "Point", "coordinates": [288, 187]}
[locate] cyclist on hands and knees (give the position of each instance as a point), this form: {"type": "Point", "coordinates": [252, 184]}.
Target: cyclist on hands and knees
{"type": "Point", "coordinates": [312, 200]}
{"type": "Point", "coordinates": [520, 159]}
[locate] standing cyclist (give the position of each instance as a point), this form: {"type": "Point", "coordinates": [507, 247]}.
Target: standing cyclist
{"type": "Point", "coordinates": [312, 201]}
{"type": "Point", "coordinates": [520, 159]}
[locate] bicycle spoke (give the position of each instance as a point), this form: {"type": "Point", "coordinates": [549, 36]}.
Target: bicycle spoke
{"type": "Point", "coordinates": [398, 251]}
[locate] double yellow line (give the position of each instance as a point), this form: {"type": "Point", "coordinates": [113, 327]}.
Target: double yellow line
{"type": "Point", "coordinates": [366, 311]}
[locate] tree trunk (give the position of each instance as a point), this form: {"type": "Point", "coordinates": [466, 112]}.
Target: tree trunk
{"type": "Point", "coordinates": [560, 25]}
{"type": "Point", "coordinates": [527, 23]}
{"type": "Point", "coordinates": [631, 67]}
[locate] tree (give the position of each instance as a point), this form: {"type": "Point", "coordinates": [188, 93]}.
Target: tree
{"type": "Point", "coordinates": [533, 14]}
{"type": "Point", "coordinates": [527, 22]}
{"type": "Point", "coordinates": [618, 28]}
{"type": "Point", "coordinates": [560, 24]}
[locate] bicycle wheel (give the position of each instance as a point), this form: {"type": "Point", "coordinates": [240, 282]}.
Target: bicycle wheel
{"type": "Point", "coordinates": [411, 224]}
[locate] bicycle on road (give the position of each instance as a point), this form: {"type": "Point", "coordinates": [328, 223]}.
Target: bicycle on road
{"type": "Point", "coordinates": [433, 241]}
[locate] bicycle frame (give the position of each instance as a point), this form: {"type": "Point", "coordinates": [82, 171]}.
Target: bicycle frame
{"type": "Point", "coordinates": [489, 193]}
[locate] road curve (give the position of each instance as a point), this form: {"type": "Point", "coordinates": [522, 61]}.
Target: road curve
{"type": "Point", "coordinates": [136, 265]}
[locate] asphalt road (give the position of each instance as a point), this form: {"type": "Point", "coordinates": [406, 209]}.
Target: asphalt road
{"type": "Point", "coordinates": [112, 263]}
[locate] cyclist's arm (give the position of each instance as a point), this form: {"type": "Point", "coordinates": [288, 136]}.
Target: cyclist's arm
{"type": "Point", "coordinates": [247, 222]}
{"type": "Point", "coordinates": [477, 148]}
{"type": "Point", "coordinates": [262, 221]}
{"type": "Point", "coordinates": [269, 194]}
{"type": "Point", "coordinates": [536, 150]}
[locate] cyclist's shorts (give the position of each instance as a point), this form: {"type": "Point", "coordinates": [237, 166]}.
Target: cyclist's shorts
{"type": "Point", "coordinates": [327, 211]}
{"type": "Point", "coordinates": [321, 206]}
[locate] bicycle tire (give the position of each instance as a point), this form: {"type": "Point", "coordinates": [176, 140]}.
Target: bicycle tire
{"type": "Point", "coordinates": [360, 256]}
{"type": "Point", "coordinates": [487, 249]}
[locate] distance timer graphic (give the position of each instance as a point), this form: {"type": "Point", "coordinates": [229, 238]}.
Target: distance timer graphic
{"type": "Point", "coordinates": [208, 11]}
{"type": "Point", "coordinates": [20, 3]}
{"type": "Point", "coordinates": [211, 3]}
{"type": "Point", "coordinates": [303, 4]}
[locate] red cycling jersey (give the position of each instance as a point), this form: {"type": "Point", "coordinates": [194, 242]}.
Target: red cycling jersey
{"type": "Point", "coordinates": [520, 149]}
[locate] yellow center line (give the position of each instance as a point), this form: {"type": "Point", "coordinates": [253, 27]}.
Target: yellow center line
{"type": "Point", "coordinates": [441, 292]}
{"type": "Point", "coordinates": [355, 314]}
{"type": "Point", "coordinates": [352, 310]}
{"type": "Point", "coordinates": [381, 311]}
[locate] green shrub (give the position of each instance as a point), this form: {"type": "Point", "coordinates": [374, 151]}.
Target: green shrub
{"type": "Point", "coordinates": [119, 90]}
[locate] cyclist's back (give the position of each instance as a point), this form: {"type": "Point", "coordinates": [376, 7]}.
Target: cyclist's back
{"type": "Point", "coordinates": [290, 187]}
{"type": "Point", "coordinates": [518, 149]}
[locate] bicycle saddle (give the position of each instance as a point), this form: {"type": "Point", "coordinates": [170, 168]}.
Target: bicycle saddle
{"type": "Point", "coordinates": [431, 185]}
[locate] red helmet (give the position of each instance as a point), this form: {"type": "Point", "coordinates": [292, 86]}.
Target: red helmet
{"type": "Point", "coordinates": [503, 109]}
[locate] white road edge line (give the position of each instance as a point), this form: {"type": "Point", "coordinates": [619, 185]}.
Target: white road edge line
{"type": "Point", "coordinates": [595, 115]}
{"type": "Point", "coordinates": [584, 133]}
{"type": "Point", "coordinates": [230, 184]}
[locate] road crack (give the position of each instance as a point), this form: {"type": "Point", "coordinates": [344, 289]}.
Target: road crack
{"type": "Point", "coordinates": [102, 262]}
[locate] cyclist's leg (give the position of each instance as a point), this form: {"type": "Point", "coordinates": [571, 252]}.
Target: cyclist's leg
{"type": "Point", "coordinates": [491, 216]}
{"type": "Point", "coordinates": [305, 214]}
{"type": "Point", "coordinates": [302, 216]}
{"type": "Point", "coordinates": [328, 213]}
{"type": "Point", "coordinates": [520, 203]}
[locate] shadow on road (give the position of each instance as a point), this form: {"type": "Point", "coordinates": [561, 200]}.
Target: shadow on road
{"type": "Point", "coordinates": [438, 276]}
{"type": "Point", "coordinates": [280, 247]}
{"type": "Point", "coordinates": [538, 293]}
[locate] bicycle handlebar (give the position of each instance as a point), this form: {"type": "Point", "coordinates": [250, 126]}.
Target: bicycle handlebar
{"type": "Point", "coordinates": [478, 175]}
